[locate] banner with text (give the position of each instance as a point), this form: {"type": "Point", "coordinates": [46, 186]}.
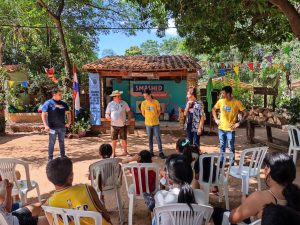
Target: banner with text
{"type": "Point", "coordinates": [94, 92]}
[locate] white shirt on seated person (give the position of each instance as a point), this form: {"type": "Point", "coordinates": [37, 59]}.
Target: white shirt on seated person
{"type": "Point", "coordinates": [164, 197]}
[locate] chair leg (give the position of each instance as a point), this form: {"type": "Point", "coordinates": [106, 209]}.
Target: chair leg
{"type": "Point", "coordinates": [258, 183]}
{"type": "Point", "coordinates": [206, 192]}
{"type": "Point", "coordinates": [220, 187]}
{"type": "Point", "coordinates": [130, 210]}
{"type": "Point", "coordinates": [120, 206]}
{"type": "Point", "coordinates": [290, 151]}
{"type": "Point", "coordinates": [295, 156]}
{"type": "Point", "coordinates": [38, 192]}
{"type": "Point", "coordinates": [225, 186]}
{"type": "Point", "coordinates": [23, 198]}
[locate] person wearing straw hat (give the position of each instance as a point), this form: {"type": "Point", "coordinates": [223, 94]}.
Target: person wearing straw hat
{"type": "Point", "coordinates": [116, 112]}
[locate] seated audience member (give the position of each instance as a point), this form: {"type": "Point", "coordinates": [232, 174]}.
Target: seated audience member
{"type": "Point", "coordinates": [81, 196]}
{"type": "Point", "coordinates": [280, 172]}
{"type": "Point", "coordinates": [28, 215]}
{"type": "Point", "coordinates": [279, 215]}
{"type": "Point", "coordinates": [143, 156]}
{"type": "Point", "coordinates": [181, 175]}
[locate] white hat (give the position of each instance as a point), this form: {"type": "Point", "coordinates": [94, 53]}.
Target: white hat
{"type": "Point", "coordinates": [115, 93]}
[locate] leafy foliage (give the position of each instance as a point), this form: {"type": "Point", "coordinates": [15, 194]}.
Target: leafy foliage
{"type": "Point", "coordinates": [150, 47]}
{"type": "Point", "coordinates": [133, 50]}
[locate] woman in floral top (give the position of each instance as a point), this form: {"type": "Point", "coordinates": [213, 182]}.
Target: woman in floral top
{"type": "Point", "coordinates": [194, 112]}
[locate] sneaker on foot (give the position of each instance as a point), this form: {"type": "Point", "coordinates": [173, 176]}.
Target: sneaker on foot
{"type": "Point", "coordinates": [162, 155]}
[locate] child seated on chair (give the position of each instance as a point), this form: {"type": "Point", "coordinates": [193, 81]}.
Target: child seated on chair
{"type": "Point", "coordinates": [23, 216]}
{"type": "Point", "coordinates": [81, 196]}
{"type": "Point", "coordinates": [143, 156]}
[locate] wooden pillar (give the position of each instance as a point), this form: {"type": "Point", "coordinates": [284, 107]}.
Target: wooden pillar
{"type": "Point", "coordinates": [102, 88]}
{"type": "Point", "coordinates": [265, 100]}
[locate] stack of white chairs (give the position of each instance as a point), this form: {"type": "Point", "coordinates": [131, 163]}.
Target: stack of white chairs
{"type": "Point", "coordinates": [294, 134]}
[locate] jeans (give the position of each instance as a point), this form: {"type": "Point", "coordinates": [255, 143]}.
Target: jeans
{"type": "Point", "coordinates": [60, 132]}
{"type": "Point", "coordinates": [193, 137]}
{"type": "Point", "coordinates": [227, 136]}
{"type": "Point", "coordinates": [150, 131]}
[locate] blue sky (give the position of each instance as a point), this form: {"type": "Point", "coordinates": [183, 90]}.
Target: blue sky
{"type": "Point", "coordinates": [119, 42]}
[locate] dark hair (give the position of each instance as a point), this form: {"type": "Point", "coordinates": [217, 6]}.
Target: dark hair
{"type": "Point", "coordinates": [227, 89]}
{"type": "Point", "coordinates": [193, 91]}
{"type": "Point", "coordinates": [283, 172]}
{"type": "Point", "coordinates": [59, 170]}
{"type": "Point", "coordinates": [55, 90]}
{"type": "Point", "coordinates": [145, 156]}
{"type": "Point", "coordinates": [105, 151]}
{"type": "Point", "coordinates": [186, 149]}
{"type": "Point", "coordinates": [147, 91]}
{"type": "Point", "coordinates": [279, 215]}
{"type": "Point", "coordinates": [181, 173]}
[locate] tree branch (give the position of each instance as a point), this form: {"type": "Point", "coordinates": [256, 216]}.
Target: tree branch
{"type": "Point", "coordinates": [60, 8]}
{"type": "Point", "coordinates": [45, 6]}
{"type": "Point", "coordinates": [104, 9]}
{"type": "Point", "coordinates": [291, 13]}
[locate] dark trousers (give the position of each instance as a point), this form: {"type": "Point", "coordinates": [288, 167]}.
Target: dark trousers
{"type": "Point", "coordinates": [60, 132]}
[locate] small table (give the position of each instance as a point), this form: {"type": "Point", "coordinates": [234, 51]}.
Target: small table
{"type": "Point", "coordinates": [251, 124]}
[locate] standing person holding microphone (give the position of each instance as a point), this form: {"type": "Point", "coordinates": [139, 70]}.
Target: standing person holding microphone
{"type": "Point", "coordinates": [195, 116]}
{"type": "Point", "coordinates": [54, 112]}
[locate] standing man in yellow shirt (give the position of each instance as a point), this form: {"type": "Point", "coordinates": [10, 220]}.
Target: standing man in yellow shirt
{"type": "Point", "coordinates": [151, 110]}
{"type": "Point", "coordinates": [229, 108]}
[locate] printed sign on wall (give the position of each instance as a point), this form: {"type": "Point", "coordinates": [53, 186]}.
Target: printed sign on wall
{"type": "Point", "coordinates": [94, 92]}
{"type": "Point", "coordinates": [156, 89]}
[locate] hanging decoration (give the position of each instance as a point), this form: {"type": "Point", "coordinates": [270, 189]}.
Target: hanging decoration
{"type": "Point", "coordinates": [269, 58]}
{"type": "Point", "coordinates": [11, 83]}
{"type": "Point", "coordinates": [222, 72]}
{"type": "Point", "coordinates": [236, 70]}
{"type": "Point", "coordinates": [287, 50]}
{"type": "Point", "coordinates": [24, 84]}
{"type": "Point", "coordinates": [50, 73]}
{"type": "Point", "coordinates": [251, 66]}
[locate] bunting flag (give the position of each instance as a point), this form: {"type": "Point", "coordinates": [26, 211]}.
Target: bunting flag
{"type": "Point", "coordinates": [276, 66]}
{"type": "Point", "coordinates": [222, 65]}
{"type": "Point", "coordinates": [211, 73]}
{"type": "Point", "coordinates": [208, 94]}
{"type": "Point", "coordinates": [287, 66]}
{"type": "Point", "coordinates": [270, 65]}
{"type": "Point", "coordinates": [281, 66]}
{"type": "Point", "coordinates": [287, 50]}
{"type": "Point", "coordinates": [50, 73]}
{"type": "Point", "coordinates": [222, 72]}
{"type": "Point", "coordinates": [269, 58]}
{"type": "Point", "coordinates": [250, 66]}
{"type": "Point", "coordinates": [258, 65]}
{"type": "Point", "coordinates": [24, 84]}
{"type": "Point", "coordinates": [264, 65]}
{"type": "Point", "coordinates": [11, 83]}
{"type": "Point", "coordinates": [218, 65]}
{"type": "Point", "coordinates": [226, 65]}
{"type": "Point", "coordinates": [76, 92]}
{"type": "Point", "coordinates": [236, 70]}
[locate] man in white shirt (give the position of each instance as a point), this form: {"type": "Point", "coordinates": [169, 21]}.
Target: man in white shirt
{"type": "Point", "coordinates": [116, 111]}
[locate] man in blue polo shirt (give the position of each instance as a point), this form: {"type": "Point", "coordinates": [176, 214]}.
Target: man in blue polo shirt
{"type": "Point", "coordinates": [54, 112]}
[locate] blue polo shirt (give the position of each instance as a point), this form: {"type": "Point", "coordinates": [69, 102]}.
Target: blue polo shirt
{"type": "Point", "coordinates": [56, 113]}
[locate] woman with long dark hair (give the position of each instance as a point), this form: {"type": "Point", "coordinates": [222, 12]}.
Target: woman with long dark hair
{"type": "Point", "coordinates": [280, 172]}
{"type": "Point", "coordinates": [194, 112]}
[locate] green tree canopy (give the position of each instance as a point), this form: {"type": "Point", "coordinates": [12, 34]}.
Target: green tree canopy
{"type": "Point", "coordinates": [150, 47]}
{"type": "Point", "coordinates": [212, 26]}
{"type": "Point", "coordinates": [133, 50]}
{"type": "Point", "coordinates": [108, 52]}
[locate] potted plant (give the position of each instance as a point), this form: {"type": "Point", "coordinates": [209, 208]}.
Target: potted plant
{"type": "Point", "coordinates": [81, 127]}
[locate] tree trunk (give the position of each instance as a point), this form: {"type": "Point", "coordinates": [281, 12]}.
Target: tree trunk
{"type": "Point", "coordinates": [2, 122]}
{"type": "Point", "coordinates": [291, 13]}
{"type": "Point", "coordinates": [64, 48]}
{"type": "Point", "coordinates": [1, 49]}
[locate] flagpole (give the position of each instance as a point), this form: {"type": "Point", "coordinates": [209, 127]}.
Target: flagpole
{"type": "Point", "coordinates": [73, 102]}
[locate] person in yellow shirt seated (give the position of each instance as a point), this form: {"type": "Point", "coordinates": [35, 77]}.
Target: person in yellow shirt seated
{"type": "Point", "coordinates": [151, 110]}
{"type": "Point", "coordinates": [81, 196]}
{"type": "Point", "coordinates": [229, 108]}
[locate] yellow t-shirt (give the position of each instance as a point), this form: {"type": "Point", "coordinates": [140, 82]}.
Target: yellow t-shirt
{"type": "Point", "coordinates": [151, 109]}
{"type": "Point", "coordinates": [228, 112]}
{"type": "Point", "coordinates": [76, 197]}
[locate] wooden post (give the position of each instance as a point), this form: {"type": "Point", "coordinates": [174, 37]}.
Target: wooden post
{"type": "Point", "coordinates": [269, 133]}
{"type": "Point", "coordinates": [265, 100]}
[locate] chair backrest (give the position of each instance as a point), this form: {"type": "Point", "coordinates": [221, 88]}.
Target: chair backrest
{"type": "Point", "coordinates": [3, 221]}
{"type": "Point", "coordinates": [109, 171]}
{"type": "Point", "coordinates": [70, 216]}
{"type": "Point", "coordinates": [8, 171]}
{"type": "Point", "coordinates": [253, 159]}
{"type": "Point", "coordinates": [141, 172]}
{"type": "Point", "coordinates": [294, 134]}
{"type": "Point", "coordinates": [216, 165]}
{"type": "Point", "coordinates": [180, 213]}
{"type": "Point", "coordinates": [257, 222]}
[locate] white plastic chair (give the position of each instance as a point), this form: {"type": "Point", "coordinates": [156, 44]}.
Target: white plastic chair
{"type": "Point", "coordinates": [249, 166]}
{"type": "Point", "coordinates": [3, 221]}
{"type": "Point", "coordinates": [22, 187]}
{"type": "Point", "coordinates": [71, 216]}
{"type": "Point", "coordinates": [180, 213]}
{"type": "Point", "coordinates": [131, 182]}
{"type": "Point", "coordinates": [110, 173]}
{"type": "Point", "coordinates": [221, 163]}
{"type": "Point", "coordinates": [294, 134]}
{"type": "Point", "coordinates": [225, 220]}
